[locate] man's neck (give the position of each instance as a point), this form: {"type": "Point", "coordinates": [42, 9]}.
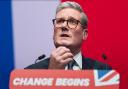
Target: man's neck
{"type": "Point", "coordinates": [75, 51]}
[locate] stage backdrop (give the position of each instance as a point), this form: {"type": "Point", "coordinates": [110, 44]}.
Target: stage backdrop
{"type": "Point", "coordinates": [26, 32]}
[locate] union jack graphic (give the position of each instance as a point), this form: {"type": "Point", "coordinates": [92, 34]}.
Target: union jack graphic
{"type": "Point", "coordinates": [106, 77]}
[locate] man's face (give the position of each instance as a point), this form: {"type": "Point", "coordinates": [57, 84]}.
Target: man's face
{"type": "Point", "coordinates": [65, 35]}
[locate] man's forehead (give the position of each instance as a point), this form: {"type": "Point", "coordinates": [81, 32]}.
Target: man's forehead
{"type": "Point", "coordinates": [68, 13]}
{"type": "Point", "coordinates": [67, 18]}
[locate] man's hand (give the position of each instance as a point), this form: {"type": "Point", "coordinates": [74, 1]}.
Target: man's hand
{"type": "Point", "coordinates": [60, 57]}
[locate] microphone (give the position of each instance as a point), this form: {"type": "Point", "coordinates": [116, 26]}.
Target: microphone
{"type": "Point", "coordinates": [104, 56]}
{"type": "Point", "coordinates": [40, 57]}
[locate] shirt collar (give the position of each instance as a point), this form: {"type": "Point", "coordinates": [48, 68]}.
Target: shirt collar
{"type": "Point", "coordinates": [78, 59]}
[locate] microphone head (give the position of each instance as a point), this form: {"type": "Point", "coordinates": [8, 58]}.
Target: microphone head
{"type": "Point", "coordinates": [41, 57]}
{"type": "Point", "coordinates": [104, 56]}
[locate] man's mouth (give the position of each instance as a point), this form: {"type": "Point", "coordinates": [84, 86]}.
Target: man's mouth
{"type": "Point", "coordinates": [64, 35]}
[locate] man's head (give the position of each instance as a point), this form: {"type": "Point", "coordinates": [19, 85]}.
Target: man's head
{"type": "Point", "coordinates": [70, 26]}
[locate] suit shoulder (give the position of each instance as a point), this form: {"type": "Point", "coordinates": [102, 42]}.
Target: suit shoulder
{"type": "Point", "coordinates": [101, 65]}
{"type": "Point", "coordinates": [39, 65]}
{"type": "Point", "coordinates": [95, 64]}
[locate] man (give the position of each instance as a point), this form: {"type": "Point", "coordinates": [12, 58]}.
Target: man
{"type": "Point", "coordinates": [70, 29]}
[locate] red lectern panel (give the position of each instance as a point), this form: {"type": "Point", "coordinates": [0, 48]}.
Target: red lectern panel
{"type": "Point", "coordinates": [64, 79]}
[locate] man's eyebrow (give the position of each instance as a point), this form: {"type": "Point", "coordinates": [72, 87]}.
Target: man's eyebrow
{"type": "Point", "coordinates": [71, 17]}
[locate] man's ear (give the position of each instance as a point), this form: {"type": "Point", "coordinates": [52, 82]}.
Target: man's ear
{"type": "Point", "coordinates": [85, 34]}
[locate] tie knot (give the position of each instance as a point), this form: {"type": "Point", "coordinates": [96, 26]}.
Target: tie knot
{"type": "Point", "coordinates": [71, 64]}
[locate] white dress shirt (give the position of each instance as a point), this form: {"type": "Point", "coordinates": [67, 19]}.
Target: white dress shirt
{"type": "Point", "coordinates": [78, 64]}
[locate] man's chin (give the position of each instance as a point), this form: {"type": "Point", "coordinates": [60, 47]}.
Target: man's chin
{"type": "Point", "coordinates": [63, 44]}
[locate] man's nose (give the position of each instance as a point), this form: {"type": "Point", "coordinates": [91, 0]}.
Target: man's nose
{"type": "Point", "coordinates": [64, 24]}
{"type": "Point", "coordinates": [64, 29]}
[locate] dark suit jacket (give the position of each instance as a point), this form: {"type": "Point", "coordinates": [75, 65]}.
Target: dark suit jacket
{"type": "Point", "coordinates": [87, 63]}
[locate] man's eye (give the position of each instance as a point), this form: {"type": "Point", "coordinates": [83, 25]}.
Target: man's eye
{"type": "Point", "coordinates": [72, 21]}
{"type": "Point", "coordinates": [60, 21]}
